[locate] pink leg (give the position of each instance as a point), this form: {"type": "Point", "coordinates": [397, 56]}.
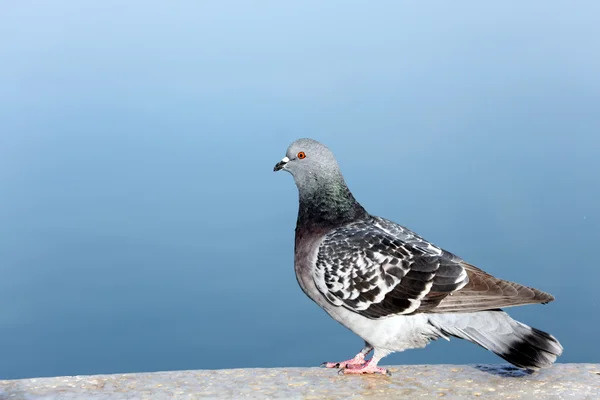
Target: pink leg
{"type": "Point", "coordinates": [357, 361]}
{"type": "Point", "coordinates": [370, 367]}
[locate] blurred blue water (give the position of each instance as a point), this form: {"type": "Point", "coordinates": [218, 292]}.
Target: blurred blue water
{"type": "Point", "coordinates": [142, 227]}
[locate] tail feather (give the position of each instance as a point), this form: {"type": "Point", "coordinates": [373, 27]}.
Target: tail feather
{"type": "Point", "coordinates": [536, 349]}
{"type": "Point", "coordinates": [496, 331]}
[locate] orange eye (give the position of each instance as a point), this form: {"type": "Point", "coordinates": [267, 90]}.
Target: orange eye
{"type": "Point", "coordinates": [301, 155]}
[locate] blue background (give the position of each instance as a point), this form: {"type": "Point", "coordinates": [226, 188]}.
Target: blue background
{"type": "Point", "coordinates": [142, 227]}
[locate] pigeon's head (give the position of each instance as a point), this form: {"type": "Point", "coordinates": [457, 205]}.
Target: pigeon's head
{"type": "Point", "coordinates": [308, 158]}
{"type": "Point", "coordinates": [324, 196]}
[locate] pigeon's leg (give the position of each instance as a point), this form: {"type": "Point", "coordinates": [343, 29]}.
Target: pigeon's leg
{"type": "Point", "coordinates": [357, 361]}
{"type": "Point", "coordinates": [370, 367]}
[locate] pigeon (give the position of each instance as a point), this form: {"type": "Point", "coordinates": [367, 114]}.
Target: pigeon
{"type": "Point", "coordinates": [390, 286]}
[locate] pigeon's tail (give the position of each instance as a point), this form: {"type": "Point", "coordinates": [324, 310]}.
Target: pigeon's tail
{"type": "Point", "coordinates": [496, 331]}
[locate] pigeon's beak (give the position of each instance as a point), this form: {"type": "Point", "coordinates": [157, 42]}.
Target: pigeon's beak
{"type": "Point", "coordinates": [281, 164]}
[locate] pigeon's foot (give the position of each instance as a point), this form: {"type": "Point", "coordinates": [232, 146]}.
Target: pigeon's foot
{"type": "Point", "coordinates": [356, 362]}
{"type": "Point", "coordinates": [367, 368]}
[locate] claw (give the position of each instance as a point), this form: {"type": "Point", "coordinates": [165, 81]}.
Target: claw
{"type": "Point", "coordinates": [357, 362]}
{"type": "Point", "coordinates": [365, 369]}
{"type": "Point", "coordinates": [343, 364]}
{"type": "Point", "coordinates": [327, 364]}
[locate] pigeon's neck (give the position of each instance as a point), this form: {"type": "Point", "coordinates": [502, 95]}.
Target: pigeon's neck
{"type": "Point", "coordinates": [327, 203]}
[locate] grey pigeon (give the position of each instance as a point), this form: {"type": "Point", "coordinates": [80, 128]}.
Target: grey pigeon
{"type": "Point", "coordinates": [390, 286]}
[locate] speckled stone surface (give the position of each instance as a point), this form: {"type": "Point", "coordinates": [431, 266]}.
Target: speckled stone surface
{"type": "Point", "coordinates": [562, 381]}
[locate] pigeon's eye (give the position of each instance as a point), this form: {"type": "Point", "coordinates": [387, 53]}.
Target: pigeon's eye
{"type": "Point", "coordinates": [301, 155]}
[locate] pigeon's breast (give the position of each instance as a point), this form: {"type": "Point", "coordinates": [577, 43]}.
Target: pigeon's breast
{"type": "Point", "coordinates": [305, 257]}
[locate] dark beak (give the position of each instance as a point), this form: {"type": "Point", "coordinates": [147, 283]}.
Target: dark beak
{"type": "Point", "coordinates": [280, 165]}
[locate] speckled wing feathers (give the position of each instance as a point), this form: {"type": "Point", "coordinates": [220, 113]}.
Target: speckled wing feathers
{"type": "Point", "coordinates": [377, 268]}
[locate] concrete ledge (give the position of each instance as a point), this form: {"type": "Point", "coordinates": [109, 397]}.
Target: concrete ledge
{"type": "Point", "coordinates": [562, 381]}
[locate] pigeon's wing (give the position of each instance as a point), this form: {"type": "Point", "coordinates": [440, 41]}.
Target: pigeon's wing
{"type": "Point", "coordinates": [378, 268]}
{"type": "Point", "coordinates": [377, 272]}
{"type": "Point", "coordinates": [485, 292]}
{"type": "Point", "coordinates": [482, 291]}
